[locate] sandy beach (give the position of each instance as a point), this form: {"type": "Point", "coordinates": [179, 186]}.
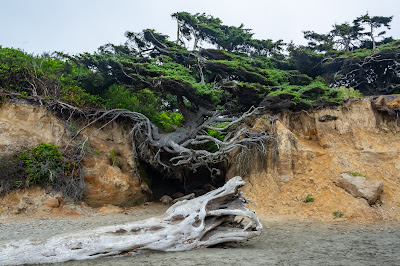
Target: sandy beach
{"type": "Point", "coordinates": [284, 241]}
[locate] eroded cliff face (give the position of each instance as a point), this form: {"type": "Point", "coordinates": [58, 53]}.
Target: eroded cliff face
{"type": "Point", "coordinates": [25, 125]}
{"type": "Point", "coordinates": [314, 148]}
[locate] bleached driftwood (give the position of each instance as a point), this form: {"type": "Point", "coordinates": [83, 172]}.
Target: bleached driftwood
{"type": "Point", "coordinates": [204, 221]}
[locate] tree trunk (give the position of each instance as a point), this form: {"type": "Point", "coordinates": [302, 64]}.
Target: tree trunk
{"type": "Point", "coordinates": [373, 38]}
{"type": "Point", "coordinates": [204, 221]}
{"type": "Point", "coordinates": [196, 40]}
{"type": "Point", "coordinates": [178, 35]}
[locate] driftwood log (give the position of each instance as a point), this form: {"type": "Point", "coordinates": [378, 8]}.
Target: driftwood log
{"type": "Point", "coordinates": [213, 218]}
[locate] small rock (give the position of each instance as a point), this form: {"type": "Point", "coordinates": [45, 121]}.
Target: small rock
{"type": "Point", "coordinates": [28, 200]}
{"type": "Point", "coordinates": [166, 200]}
{"type": "Point", "coordinates": [108, 208]}
{"type": "Point", "coordinates": [52, 203]}
{"type": "Point", "coordinates": [360, 187]}
{"type": "Point", "coordinates": [60, 200]}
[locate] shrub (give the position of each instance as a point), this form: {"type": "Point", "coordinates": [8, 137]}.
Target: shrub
{"type": "Point", "coordinates": [338, 214]}
{"type": "Point", "coordinates": [113, 158]}
{"type": "Point", "coordinates": [43, 163]}
{"type": "Point", "coordinates": [309, 198]}
{"type": "Point", "coordinates": [344, 93]}
{"type": "Point", "coordinates": [12, 174]}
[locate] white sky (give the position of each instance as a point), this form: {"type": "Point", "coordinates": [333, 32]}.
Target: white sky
{"type": "Point", "coordinates": [75, 26]}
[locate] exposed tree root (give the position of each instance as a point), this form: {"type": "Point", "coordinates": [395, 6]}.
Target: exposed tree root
{"type": "Point", "coordinates": [184, 147]}
{"type": "Point", "coordinates": [201, 222]}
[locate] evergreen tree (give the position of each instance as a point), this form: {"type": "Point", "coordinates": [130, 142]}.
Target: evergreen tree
{"type": "Point", "coordinates": [373, 24]}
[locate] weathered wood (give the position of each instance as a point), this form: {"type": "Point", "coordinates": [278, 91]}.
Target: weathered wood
{"type": "Point", "coordinates": [200, 222]}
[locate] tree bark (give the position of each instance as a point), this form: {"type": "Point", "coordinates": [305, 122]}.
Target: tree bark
{"type": "Point", "coordinates": [204, 221]}
{"type": "Point", "coordinates": [373, 38]}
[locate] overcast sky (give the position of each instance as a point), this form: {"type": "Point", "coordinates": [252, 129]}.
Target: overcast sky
{"type": "Point", "coordinates": [75, 26]}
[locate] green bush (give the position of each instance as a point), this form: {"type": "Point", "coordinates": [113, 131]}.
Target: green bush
{"type": "Point", "coordinates": [309, 198]}
{"type": "Point", "coordinates": [338, 214]}
{"type": "Point", "coordinates": [15, 68]}
{"type": "Point", "coordinates": [43, 163]}
{"type": "Point", "coordinates": [348, 93]}
{"type": "Point", "coordinates": [113, 158]}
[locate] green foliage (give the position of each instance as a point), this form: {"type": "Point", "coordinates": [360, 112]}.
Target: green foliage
{"type": "Point", "coordinates": [210, 146]}
{"type": "Point", "coordinates": [358, 174]}
{"type": "Point", "coordinates": [44, 162]}
{"type": "Point", "coordinates": [213, 92]}
{"type": "Point", "coordinates": [43, 165]}
{"type": "Point", "coordinates": [344, 93]}
{"type": "Point", "coordinates": [17, 183]}
{"type": "Point", "coordinates": [309, 198]}
{"type": "Point", "coordinates": [338, 214]}
{"type": "Point", "coordinates": [310, 95]}
{"type": "Point", "coordinates": [78, 97]}
{"type": "Point", "coordinates": [15, 68]}
{"type": "Point", "coordinates": [113, 158]}
{"type": "Point", "coordinates": [44, 76]}
{"type": "Point", "coordinates": [96, 151]}
{"type": "Point", "coordinates": [216, 134]}
{"type": "Point", "coordinates": [72, 127]}
{"type": "Point", "coordinates": [121, 97]}
{"type": "Point", "coordinates": [145, 102]}
{"type": "Point", "coordinates": [169, 121]}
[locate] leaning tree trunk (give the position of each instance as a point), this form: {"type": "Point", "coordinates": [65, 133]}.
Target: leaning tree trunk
{"type": "Point", "coordinates": [204, 221]}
